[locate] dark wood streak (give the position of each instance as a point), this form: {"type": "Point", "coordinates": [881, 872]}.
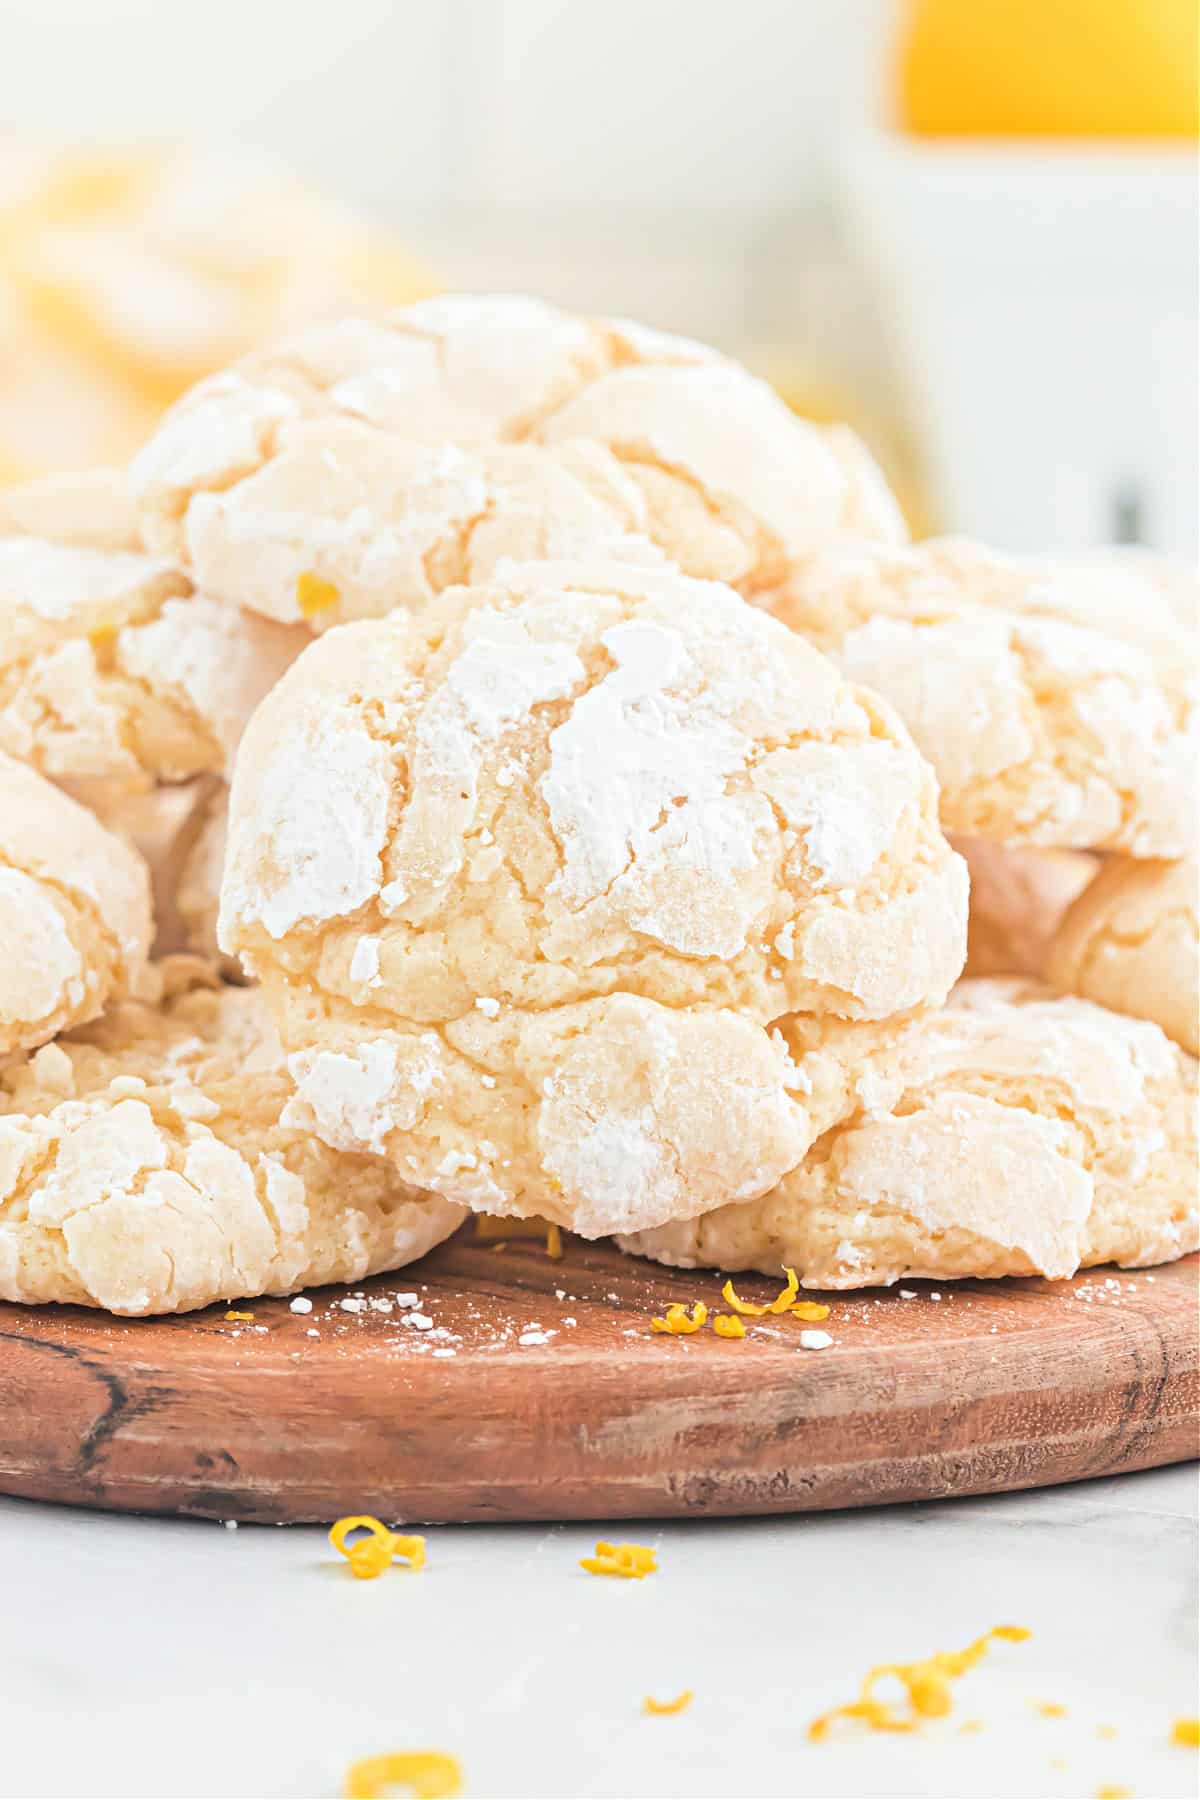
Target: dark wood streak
{"type": "Point", "coordinates": [915, 1400]}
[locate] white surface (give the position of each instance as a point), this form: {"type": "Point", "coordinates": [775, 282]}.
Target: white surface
{"type": "Point", "coordinates": [1043, 300]}
{"type": "Point", "coordinates": [180, 1659]}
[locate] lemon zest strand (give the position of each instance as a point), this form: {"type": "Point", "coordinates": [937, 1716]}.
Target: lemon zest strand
{"type": "Point", "coordinates": [746, 1308]}
{"type": "Point", "coordinates": [314, 595]}
{"type": "Point", "coordinates": [369, 1556]}
{"type": "Point", "coordinates": [809, 1309]}
{"type": "Point", "coordinates": [783, 1300]}
{"type": "Point", "coordinates": [427, 1774]}
{"type": "Point", "coordinates": [238, 1318]}
{"type": "Point", "coordinates": [629, 1561]}
{"type": "Point", "coordinates": [679, 1322]}
{"type": "Point", "coordinates": [926, 1684]}
{"type": "Point", "coordinates": [1186, 1733]}
{"type": "Point", "coordinates": [728, 1325]}
{"type": "Point", "coordinates": [660, 1709]}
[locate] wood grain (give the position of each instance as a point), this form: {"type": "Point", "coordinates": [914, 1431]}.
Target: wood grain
{"type": "Point", "coordinates": [996, 1385]}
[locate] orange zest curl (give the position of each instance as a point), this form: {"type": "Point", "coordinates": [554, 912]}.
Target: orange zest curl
{"type": "Point", "coordinates": [369, 1556]}
{"type": "Point", "coordinates": [659, 1709]}
{"type": "Point", "coordinates": [427, 1774]}
{"type": "Point", "coordinates": [629, 1561]}
{"type": "Point", "coordinates": [728, 1325]}
{"type": "Point", "coordinates": [679, 1322]}
{"type": "Point", "coordinates": [926, 1685]}
{"type": "Point", "coordinates": [314, 595]}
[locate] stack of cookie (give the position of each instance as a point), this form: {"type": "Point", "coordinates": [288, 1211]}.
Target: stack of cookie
{"type": "Point", "coordinates": [591, 861]}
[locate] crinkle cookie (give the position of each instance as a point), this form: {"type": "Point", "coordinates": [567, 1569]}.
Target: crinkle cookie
{"type": "Point", "coordinates": [147, 1166]}
{"type": "Point", "coordinates": [1012, 1133]}
{"type": "Point", "coordinates": [1042, 730]}
{"type": "Point", "coordinates": [296, 483]}
{"type": "Point", "coordinates": [112, 671]}
{"type": "Point", "coordinates": [1017, 899]}
{"type": "Point", "coordinates": [74, 911]}
{"type": "Point", "coordinates": [526, 876]}
{"type": "Point", "coordinates": [198, 894]}
{"type": "Point", "coordinates": [1130, 942]}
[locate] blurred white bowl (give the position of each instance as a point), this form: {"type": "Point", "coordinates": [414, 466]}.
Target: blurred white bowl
{"type": "Point", "coordinates": [1044, 299]}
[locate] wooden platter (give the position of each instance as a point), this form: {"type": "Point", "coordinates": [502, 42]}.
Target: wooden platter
{"type": "Point", "coordinates": [305, 1416]}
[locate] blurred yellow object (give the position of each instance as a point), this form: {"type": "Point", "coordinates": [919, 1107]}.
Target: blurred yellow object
{"type": "Point", "coordinates": [127, 275]}
{"type": "Point", "coordinates": [1050, 68]}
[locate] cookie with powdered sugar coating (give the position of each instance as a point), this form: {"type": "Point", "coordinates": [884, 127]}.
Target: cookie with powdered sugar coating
{"type": "Point", "coordinates": [1013, 1132]}
{"type": "Point", "coordinates": [75, 921]}
{"type": "Point", "coordinates": [304, 460]}
{"type": "Point", "coordinates": [528, 876]}
{"type": "Point", "coordinates": [1130, 942]}
{"type": "Point", "coordinates": [1017, 899]}
{"type": "Point", "coordinates": [146, 1166]}
{"type": "Point", "coordinates": [1044, 730]}
{"type": "Point", "coordinates": [114, 673]}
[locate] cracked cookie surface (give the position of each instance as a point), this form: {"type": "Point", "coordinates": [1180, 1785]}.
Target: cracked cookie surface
{"type": "Point", "coordinates": [319, 457]}
{"type": "Point", "coordinates": [527, 877]}
{"type": "Point", "coordinates": [113, 672]}
{"type": "Point", "coordinates": [1014, 1132]}
{"type": "Point", "coordinates": [1129, 941]}
{"type": "Point", "coordinates": [147, 1166]}
{"type": "Point", "coordinates": [1017, 899]}
{"type": "Point", "coordinates": [75, 921]}
{"type": "Point", "coordinates": [1043, 729]}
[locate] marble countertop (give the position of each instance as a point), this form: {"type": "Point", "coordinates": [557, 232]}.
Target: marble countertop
{"type": "Point", "coordinates": [162, 1657]}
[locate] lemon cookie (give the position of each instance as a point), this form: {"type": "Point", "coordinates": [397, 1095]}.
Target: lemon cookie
{"type": "Point", "coordinates": [74, 911]}
{"type": "Point", "coordinates": [1017, 899]}
{"type": "Point", "coordinates": [113, 673]}
{"type": "Point", "coordinates": [347, 522]}
{"type": "Point", "coordinates": [146, 1166]}
{"type": "Point", "coordinates": [1012, 1133]}
{"type": "Point", "coordinates": [527, 875]}
{"type": "Point", "coordinates": [1043, 730]}
{"type": "Point", "coordinates": [300, 460]}
{"type": "Point", "coordinates": [1129, 941]}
